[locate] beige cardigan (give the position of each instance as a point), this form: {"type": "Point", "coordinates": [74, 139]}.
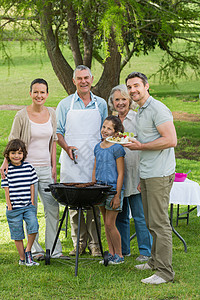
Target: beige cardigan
{"type": "Point", "coordinates": [21, 127]}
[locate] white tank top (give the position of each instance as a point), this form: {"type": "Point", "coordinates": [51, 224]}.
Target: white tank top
{"type": "Point", "coordinates": [38, 149]}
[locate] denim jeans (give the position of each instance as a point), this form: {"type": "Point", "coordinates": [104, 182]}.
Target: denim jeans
{"type": "Point", "coordinates": [106, 202]}
{"type": "Point", "coordinates": [15, 219]}
{"type": "Point", "coordinates": [144, 238]}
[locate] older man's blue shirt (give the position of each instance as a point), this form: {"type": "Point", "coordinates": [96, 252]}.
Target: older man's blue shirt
{"type": "Point", "coordinates": [64, 107]}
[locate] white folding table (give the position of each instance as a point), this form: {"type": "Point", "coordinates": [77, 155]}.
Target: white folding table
{"type": "Point", "coordinates": [184, 193]}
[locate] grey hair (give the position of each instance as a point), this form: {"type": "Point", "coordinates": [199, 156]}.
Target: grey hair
{"type": "Point", "coordinates": [80, 68]}
{"type": "Point", "coordinates": [123, 90]}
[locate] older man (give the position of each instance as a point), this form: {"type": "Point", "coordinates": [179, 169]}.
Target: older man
{"type": "Point", "coordinates": [79, 120]}
{"type": "Point", "coordinates": [156, 141]}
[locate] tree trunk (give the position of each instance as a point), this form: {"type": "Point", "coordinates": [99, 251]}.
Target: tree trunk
{"type": "Point", "coordinates": [62, 69]}
{"type": "Point", "coordinates": [111, 73]}
{"type": "Point", "coordinates": [88, 47]}
{"type": "Point", "coordinates": [72, 30]}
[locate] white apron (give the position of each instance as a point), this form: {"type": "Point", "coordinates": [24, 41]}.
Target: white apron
{"type": "Point", "coordinates": [82, 130]}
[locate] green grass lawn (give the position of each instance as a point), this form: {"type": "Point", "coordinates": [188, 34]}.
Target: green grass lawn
{"type": "Point", "coordinates": [94, 281]}
{"type": "Point", "coordinates": [188, 140]}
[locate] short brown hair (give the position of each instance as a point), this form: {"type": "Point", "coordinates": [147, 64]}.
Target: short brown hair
{"type": "Point", "coordinates": [15, 145]}
{"type": "Point", "coordinates": [140, 75]}
{"type": "Point", "coordinates": [40, 81]}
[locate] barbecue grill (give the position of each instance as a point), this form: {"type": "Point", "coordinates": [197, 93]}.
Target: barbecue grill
{"type": "Point", "coordinates": [79, 196]}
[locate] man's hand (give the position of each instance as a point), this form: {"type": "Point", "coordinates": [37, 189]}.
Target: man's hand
{"type": "Point", "coordinates": [62, 143]}
{"type": "Point", "coordinates": [69, 151]}
{"type": "Point", "coordinates": [135, 145]}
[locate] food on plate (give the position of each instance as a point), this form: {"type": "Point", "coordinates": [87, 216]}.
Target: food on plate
{"type": "Point", "coordinates": [121, 137]}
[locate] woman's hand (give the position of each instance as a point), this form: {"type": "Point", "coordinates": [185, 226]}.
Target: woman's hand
{"type": "Point", "coordinates": [10, 206]}
{"type": "Point", "coordinates": [115, 202]}
{"type": "Point", "coordinates": [139, 188]}
{"type": "Point", "coordinates": [4, 168]}
{"type": "Point", "coordinates": [54, 174]}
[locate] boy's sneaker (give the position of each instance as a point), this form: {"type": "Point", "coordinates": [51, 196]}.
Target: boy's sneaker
{"type": "Point", "coordinates": [117, 260]}
{"type": "Point", "coordinates": [29, 260]}
{"type": "Point", "coordinates": [110, 257]}
{"type": "Point", "coordinates": [21, 262]}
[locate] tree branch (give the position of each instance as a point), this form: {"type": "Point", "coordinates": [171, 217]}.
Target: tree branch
{"type": "Point", "coordinates": [88, 47]}
{"type": "Point", "coordinates": [62, 69]}
{"type": "Point", "coordinates": [73, 36]}
{"type": "Point", "coordinates": [111, 72]}
{"type": "Point", "coordinates": [172, 36]}
{"type": "Point", "coordinates": [127, 57]}
{"type": "Point", "coordinates": [98, 57]}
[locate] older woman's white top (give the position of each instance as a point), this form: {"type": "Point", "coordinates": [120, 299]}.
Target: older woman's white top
{"type": "Point", "coordinates": [131, 173]}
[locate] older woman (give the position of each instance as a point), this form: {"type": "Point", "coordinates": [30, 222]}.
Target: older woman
{"type": "Point", "coordinates": [120, 101]}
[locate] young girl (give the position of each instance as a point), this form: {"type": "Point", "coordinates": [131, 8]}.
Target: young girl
{"type": "Point", "coordinates": [19, 192]}
{"type": "Point", "coordinates": [109, 169]}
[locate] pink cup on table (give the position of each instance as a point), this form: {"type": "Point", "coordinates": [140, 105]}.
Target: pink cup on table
{"type": "Point", "coordinates": [180, 177]}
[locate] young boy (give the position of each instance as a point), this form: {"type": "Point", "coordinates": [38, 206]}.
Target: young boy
{"type": "Point", "coordinates": [19, 192]}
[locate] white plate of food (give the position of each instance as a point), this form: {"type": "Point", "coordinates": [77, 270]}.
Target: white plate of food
{"type": "Point", "coordinates": [121, 138]}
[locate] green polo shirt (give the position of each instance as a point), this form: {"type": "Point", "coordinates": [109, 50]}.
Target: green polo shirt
{"type": "Point", "coordinates": [154, 163]}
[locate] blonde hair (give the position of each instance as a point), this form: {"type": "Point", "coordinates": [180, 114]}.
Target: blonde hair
{"type": "Point", "coordinates": [123, 90]}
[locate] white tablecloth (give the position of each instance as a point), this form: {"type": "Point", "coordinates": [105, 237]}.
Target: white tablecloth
{"type": "Point", "coordinates": [186, 193]}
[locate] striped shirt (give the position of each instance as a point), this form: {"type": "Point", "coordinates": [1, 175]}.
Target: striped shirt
{"type": "Point", "coordinates": [18, 180]}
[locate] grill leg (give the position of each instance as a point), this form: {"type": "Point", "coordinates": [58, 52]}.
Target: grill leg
{"type": "Point", "coordinates": [133, 236]}
{"type": "Point", "coordinates": [78, 238]}
{"type": "Point", "coordinates": [59, 229]}
{"type": "Point", "coordinates": [177, 215]}
{"type": "Point", "coordinates": [188, 211]}
{"type": "Point", "coordinates": [66, 223]}
{"type": "Point", "coordinates": [98, 233]}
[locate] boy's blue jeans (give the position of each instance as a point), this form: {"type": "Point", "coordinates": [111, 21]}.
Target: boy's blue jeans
{"type": "Point", "coordinates": [144, 238]}
{"type": "Point", "coordinates": [15, 219]}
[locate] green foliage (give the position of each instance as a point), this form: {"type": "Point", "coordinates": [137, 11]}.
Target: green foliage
{"type": "Point", "coordinates": [136, 26]}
